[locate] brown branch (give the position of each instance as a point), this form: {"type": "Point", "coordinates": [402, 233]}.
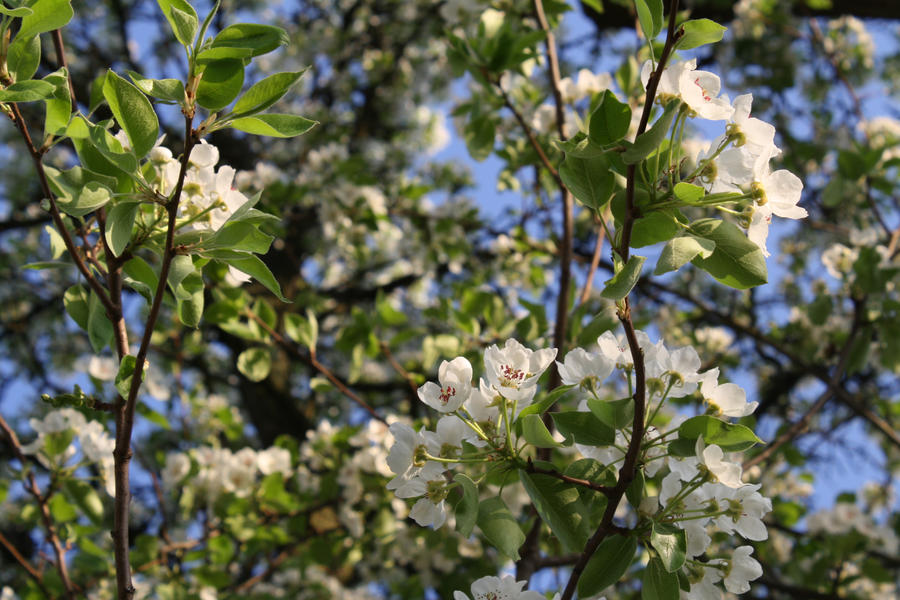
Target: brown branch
{"type": "Point", "coordinates": [406, 375]}
{"type": "Point", "coordinates": [42, 501]}
{"type": "Point", "coordinates": [311, 360]}
{"type": "Point", "coordinates": [125, 416]}
{"type": "Point", "coordinates": [62, 62]}
{"type": "Point", "coordinates": [529, 134]}
{"type": "Point", "coordinates": [803, 423]}
{"type": "Point", "coordinates": [32, 572]}
{"type": "Point", "coordinates": [627, 471]}
{"type": "Point", "coordinates": [595, 257]}
{"type": "Point", "coordinates": [586, 483]}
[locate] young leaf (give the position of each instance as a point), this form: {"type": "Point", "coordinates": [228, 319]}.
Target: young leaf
{"type": "Point", "coordinates": [650, 16]}
{"type": "Point", "coordinates": [611, 560]}
{"type": "Point", "coordinates": [170, 90]}
{"type": "Point", "coordinates": [736, 261]}
{"type": "Point", "coordinates": [583, 427]}
{"type": "Point", "coordinates": [183, 19]}
{"type": "Point", "coordinates": [560, 506]}
{"type": "Point", "coordinates": [244, 40]}
{"type": "Point", "coordinates": [274, 125]}
{"type": "Point", "coordinates": [265, 93]}
{"type": "Point", "coordinates": [658, 584]}
{"type": "Point", "coordinates": [589, 179]}
{"type": "Point", "coordinates": [609, 121]}
{"type": "Point", "coordinates": [59, 106]}
{"type": "Point", "coordinates": [303, 331]}
{"type": "Point", "coordinates": [221, 83]}
{"type": "Point", "coordinates": [124, 375]}
{"type": "Point", "coordinates": [133, 112]}
{"type": "Point", "coordinates": [189, 296]}
{"type": "Point", "coordinates": [621, 283]}
{"type": "Point", "coordinates": [255, 363]}
{"type": "Point", "coordinates": [76, 301]}
{"type": "Point", "coordinates": [22, 11]}
{"type": "Point", "coordinates": [500, 526]}
{"type": "Point", "coordinates": [616, 413]}
{"type": "Point", "coordinates": [467, 507]}
{"type": "Point", "coordinates": [119, 221]}
{"type": "Point", "coordinates": [680, 251]}
{"type": "Point", "coordinates": [731, 437]}
{"type": "Point", "coordinates": [23, 57]}
{"type": "Point", "coordinates": [257, 269]}
{"type": "Point", "coordinates": [698, 32]}
{"type": "Point", "coordinates": [27, 91]}
{"type": "Point", "coordinates": [548, 400]}
{"type": "Point", "coordinates": [46, 15]}
{"type": "Point", "coordinates": [688, 192]}
{"type": "Point", "coordinates": [671, 545]}
{"type": "Point", "coordinates": [649, 141]}
{"type": "Point", "coordinates": [536, 433]}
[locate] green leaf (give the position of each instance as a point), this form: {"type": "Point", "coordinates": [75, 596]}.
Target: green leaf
{"type": "Point", "coordinates": [76, 302]}
{"type": "Point", "coordinates": [124, 375]}
{"type": "Point", "coordinates": [658, 584]}
{"type": "Point", "coordinates": [133, 112]}
{"type": "Point", "coordinates": [86, 498]}
{"type": "Point", "coordinates": [621, 283]}
{"type": "Point", "coordinates": [736, 261]}
{"type": "Point", "coordinates": [589, 179]}
{"type": "Point", "coordinates": [31, 90]}
{"type": "Point", "coordinates": [609, 121]}
{"type": "Point", "coordinates": [46, 15]}
{"type": "Point", "coordinates": [257, 269]}
{"type": "Point", "coordinates": [170, 90]}
{"type": "Point", "coordinates": [265, 93]}
{"type": "Point", "coordinates": [303, 331]}
{"type": "Point", "coordinates": [57, 244]}
{"type": "Point", "coordinates": [59, 106]}
{"type": "Point", "coordinates": [731, 437]}
{"type": "Point", "coordinates": [698, 32]}
{"type": "Point", "coordinates": [57, 442]}
{"type": "Point", "coordinates": [500, 527]}
{"type": "Point", "coordinates": [671, 545]}
{"type": "Point", "coordinates": [560, 506]}
{"type": "Point", "coordinates": [22, 11]}
{"type": "Point", "coordinates": [100, 330]}
{"type": "Point", "coordinates": [617, 414]}
{"type": "Point", "coordinates": [221, 83]}
{"type": "Point", "coordinates": [119, 222]}
{"type": "Point", "coordinates": [608, 564]}
{"type": "Point", "coordinates": [61, 509]}
{"type": "Point", "coordinates": [182, 18]}
{"type": "Point", "coordinates": [91, 197]}
{"type": "Point", "coordinates": [688, 192]}
{"type": "Point", "coordinates": [649, 141]}
{"type": "Point", "coordinates": [583, 427]}
{"type": "Point", "coordinates": [548, 400]}
{"type": "Point", "coordinates": [244, 40]}
{"type": "Point", "coordinates": [654, 227]}
{"type": "Point", "coordinates": [680, 251]}
{"type": "Point", "coordinates": [274, 125]}
{"type": "Point", "coordinates": [650, 16]}
{"type": "Point", "coordinates": [536, 433]}
{"type": "Point", "coordinates": [180, 267]}
{"type": "Point", "coordinates": [190, 300]}
{"type": "Point", "coordinates": [23, 57]}
{"type": "Point", "coordinates": [466, 508]}
{"type": "Point", "coordinates": [144, 278]}
{"type": "Point", "coordinates": [255, 363]}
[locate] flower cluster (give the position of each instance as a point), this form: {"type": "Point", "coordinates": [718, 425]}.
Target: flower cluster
{"type": "Point", "coordinates": [219, 470]}
{"type": "Point", "coordinates": [738, 161]}
{"type": "Point", "coordinates": [701, 493]}
{"type": "Point", "coordinates": [54, 449]}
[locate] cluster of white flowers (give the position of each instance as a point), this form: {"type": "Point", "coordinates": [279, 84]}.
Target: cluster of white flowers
{"type": "Point", "coordinates": [700, 494]}
{"type": "Point", "coordinates": [844, 517]}
{"type": "Point", "coordinates": [219, 470]}
{"type": "Point", "coordinates": [67, 424]}
{"type": "Point", "coordinates": [839, 259]}
{"type": "Point", "coordinates": [737, 161]}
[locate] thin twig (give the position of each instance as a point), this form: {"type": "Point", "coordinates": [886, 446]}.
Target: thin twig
{"type": "Point", "coordinates": [311, 360]}
{"type": "Point", "coordinates": [32, 572]}
{"type": "Point", "coordinates": [586, 483]}
{"type": "Point", "coordinates": [42, 501]}
{"type": "Point", "coordinates": [595, 258]}
{"type": "Point", "coordinates": [627, 471]}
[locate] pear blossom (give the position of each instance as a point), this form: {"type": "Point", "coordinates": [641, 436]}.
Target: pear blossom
{"type": "Point", "coordinates": [581, 366]}
{"type": "Point", "coordinates": [741, 570]}
{"type": "Point", "coordinates": [431, 508]}
{"type": "Point", "coordinates": [758, 136]}
{"type": "Point", "coordinates": [747, 508]}
{"type": "Point", "coordinates": [723, 471]}
{"type": "Point", "coordinates": [728, 399]}
{"type": "Point", "coordinates": [514, 371]}
{"type": "Point", "coordinates": [274, 460]}
{"type": "Point", "coordinates": [497, 588]}
{"type": "Point", "coordinates": [446, 440]}
{"type": "Point", "coordinates": [617, 349]}
{"type": "Point", "coordinates": [403, 459]}
{"type": "Point", "coordinates": [705, 588]}
{"type": "Point", "coordinates": [700, 91]}
{"type": "Point", "coordinates": [456, 385]}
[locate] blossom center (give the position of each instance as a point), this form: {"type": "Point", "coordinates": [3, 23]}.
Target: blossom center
{"type": "Point", "coordinates": [446, 393]}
